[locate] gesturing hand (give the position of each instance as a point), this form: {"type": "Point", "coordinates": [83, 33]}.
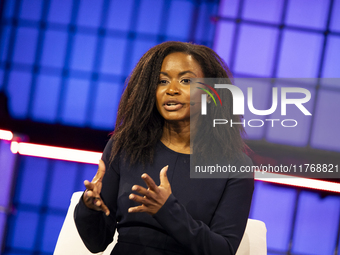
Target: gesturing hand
{"type": "Point", "coordinates": [154, 197]}
{"type": "Point", "coordinates": [91, 196]}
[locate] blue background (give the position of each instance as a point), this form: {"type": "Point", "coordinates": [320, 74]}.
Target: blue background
{"type": "Point", "coordinates": [65, 62]}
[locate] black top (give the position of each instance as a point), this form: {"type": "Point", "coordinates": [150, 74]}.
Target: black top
{"type": "Point", "coordinates": [201, 216]}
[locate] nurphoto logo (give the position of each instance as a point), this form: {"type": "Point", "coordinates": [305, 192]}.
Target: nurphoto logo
{"type": "Point", "coordinates": [239, 104]}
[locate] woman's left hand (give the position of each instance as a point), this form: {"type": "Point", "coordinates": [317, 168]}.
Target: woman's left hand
{"type": "Point", "coordinates": [154, 197]}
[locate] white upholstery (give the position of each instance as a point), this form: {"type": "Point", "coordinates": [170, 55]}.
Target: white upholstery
{"type": "Point", "coordinates": [70, 243]}
{"type": "Point", "coordinates": [254, 240]}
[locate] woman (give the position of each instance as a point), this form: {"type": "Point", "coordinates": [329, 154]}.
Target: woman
{"type": "Point", "coordinates": [164, 211]}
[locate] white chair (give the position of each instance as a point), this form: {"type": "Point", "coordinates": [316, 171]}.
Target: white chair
{"type": "Point", "coordinates": [254, 240]}
{"type": "Point", "coordinates": [70, 243]}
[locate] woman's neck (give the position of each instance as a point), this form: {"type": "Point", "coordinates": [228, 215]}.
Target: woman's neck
{"type": "Point", "coordinates": [176, 136]}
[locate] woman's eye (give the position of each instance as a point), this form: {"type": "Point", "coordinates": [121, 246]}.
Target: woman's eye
{"type": "Point", "coordinates": [186, 81]}
{"type": "Point", "coordinates": [163, 82]}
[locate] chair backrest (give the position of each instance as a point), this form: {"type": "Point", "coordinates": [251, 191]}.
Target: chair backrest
{"type": "Point", "coordinates": [70, 243]}
{"type": "Point", "coordinates": [254, 240]}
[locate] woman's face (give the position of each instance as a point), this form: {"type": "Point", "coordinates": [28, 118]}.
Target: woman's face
{"type": "Point", "coordinates": [173, 91]}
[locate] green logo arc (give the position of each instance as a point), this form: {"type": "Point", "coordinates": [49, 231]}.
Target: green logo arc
{"type": "Point", "coordinates": [208, 92]}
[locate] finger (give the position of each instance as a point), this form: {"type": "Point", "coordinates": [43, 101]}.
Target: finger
{"type": "Point", "coordinates": [139, 199]}
{"type": "Point", "coordinates": [92, 190]}
{"type": "Point", "coordinates": [97, 188]}
{"type": "Point", "coordinates": [89, 194]}
{"type": "Point", "coordinates": [143, 191]}
{"type": "Point", "coordinates": [100, 172]}
{"type": "Point", "coordinates": [88, 185]}
{"type": "Point", "coordinates": [164, 177]}
{"type": "Point", "coordinates": [136, 209]}
{"type": "Point", "coordinates": [105, 209]}
{"type": "Point", "coordinates": [97, 202]}
{"type": "Point", "coordinates": [149, 182]}
{"type": "Point", "coordinates": [100, 204]}
{"type": "Point", "coordinates": [89, 189]}
{"type": "Point", "coordinates": [89, 200]}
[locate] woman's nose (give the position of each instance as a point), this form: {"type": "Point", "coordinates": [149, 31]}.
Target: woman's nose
{"type": "Point", "coordinates": [173, 88]}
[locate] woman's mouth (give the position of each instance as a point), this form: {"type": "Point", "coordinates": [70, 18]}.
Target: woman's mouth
{"type": "Point", "coordinates": [172, 106]}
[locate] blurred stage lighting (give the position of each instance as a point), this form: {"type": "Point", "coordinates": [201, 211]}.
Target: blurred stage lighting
{"type": "Point", "coordinates": [91, 157]}
{"type": "Point", "coordinates": [6, 135]}
{"type": "Point", "coordinates": [60, 153]}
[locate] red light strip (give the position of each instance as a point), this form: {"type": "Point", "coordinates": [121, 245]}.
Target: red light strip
{"type": "Point", "coordinates": [90, 157]}
{"type": "Point", "coordinates": [6, 135]}
{"type": "Point", "coordinates": [298, 181]}
{"type": "Point", "coordinates": [45, 151]}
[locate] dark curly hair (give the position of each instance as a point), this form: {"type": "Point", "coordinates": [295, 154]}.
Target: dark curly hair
{"type": "Point", "coordinates": [139, 125]}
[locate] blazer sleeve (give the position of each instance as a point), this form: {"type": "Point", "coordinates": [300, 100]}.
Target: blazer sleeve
{"type": "Point", "coordinates": [225, 231]}
{"type": "Point", "coordinates": [94, 227]}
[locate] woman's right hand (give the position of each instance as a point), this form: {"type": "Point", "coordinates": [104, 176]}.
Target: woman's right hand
{"type": "Point", "coordinates": [91, 195]}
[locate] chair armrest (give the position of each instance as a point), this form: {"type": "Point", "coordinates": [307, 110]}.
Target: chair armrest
{"type": "Point", "coordinates": [69, 241]}
{"type": "Point", "coordinates": [254, 240]}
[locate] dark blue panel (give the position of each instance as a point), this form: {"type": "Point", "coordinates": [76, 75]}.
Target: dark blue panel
{"type": "Point", "coordinates": [3, 218]}
{"type": "Point", "coordinates": [19, 86]}
{"type": "Point", "coordinates": [74, 105]}
{"type": "Point", "coordinates": [25, 45]}
{"type": "Point", "coordinates": [1, 77]}
{"type": "Point", "coordinates": [120, 15]}
{"type": "Point", "coordinates": [89, 13]}
{"type": "Point", "coordinates": [179, 22]}
{"type": "Point", "coordinates": [223, 40]}
{"type": "Point", "coordinates": [88, 172]}
{"type": "Point", "coordinates": [45, 102]}
{"type": "Point", "coordinates": [113, 56]}
{"type": "Point", "coordinates": [228, 8]}
{"type": "Point", "coordinates": [274, 205]}
{"type": "Point", "coordinates": [33, 172]}
{"type": "Point", "coordinates": [335, 20]}
{"type": "Point", "coordinates": [256, 58]}
{"type": "Point", "coordinates": [9, 8]}
{"type": "Point", "coordinates": [54, 49]}
{"type": "Point", "coordinates": [4, 42]}
{"type": "Point", "coordinates": [83, 44]}
{"type": "Point", "coordinates": [140, 47]}
{"type": "Point", "coordinates": [106, 105]}
{"type": "Point", "coordinates": [31, 9]}
{"type": "Point", "coordinates": [52, 228]}
{"type": "Point", "coordinates": [298, 135]}
{"type": "Point", "coordinates": [18, 253]}
{"type": "Point", "coordinates": [23, 230]}
{"type": "Point", "coordinates": [150, 13]}
{"type": "Point", "coordinates": [307, 14]}
{"type": "Point", "coordinates": [60, 11]}
{"type": "Point", "coordinates": [204, 27]}
{"type": "Point", "coordinates": [331, 68]}
{"type": "Point", "coordinates": [327, 121]}
{"type": "Point", "coordinates": [7, 172]}
{"type": "Point", "coordinates": [61, 188]}
{"type": "Point", "coordinates": [316, 224]}
{"type": "Point", "coordinates": [300, 55]}
{"type": "Point", "coordinates": [263, 10]}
